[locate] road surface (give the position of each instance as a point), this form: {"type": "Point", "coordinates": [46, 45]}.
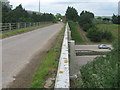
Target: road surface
{"type": "Point", "coordinates": [90, 47]}
{"type": "Point", "coordinates": [18, 50]}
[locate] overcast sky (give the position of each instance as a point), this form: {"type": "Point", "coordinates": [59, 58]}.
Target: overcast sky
{"type": "Point", "coordinates": [98, 7]}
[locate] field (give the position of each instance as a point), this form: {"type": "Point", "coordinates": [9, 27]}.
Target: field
{"type": "Point", "coordinates": [110, 27]}
{"type": "Point", "coordinates": [113, 28]}
{"type": "Point", "coordinates": [80, 36]}
{"type": "Point", "coordinates": [103, 72]}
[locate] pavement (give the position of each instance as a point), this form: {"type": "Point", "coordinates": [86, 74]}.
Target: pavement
{"type": "Point", "coordinates": [18, 50]}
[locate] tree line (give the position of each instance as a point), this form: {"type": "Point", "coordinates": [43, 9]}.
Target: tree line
{"type": "Point", "coordinates": [19, 14]}
{"type": "Point", "coordinates": [85, 20]}
{"type": "Point", "coordinates": [116, 19]}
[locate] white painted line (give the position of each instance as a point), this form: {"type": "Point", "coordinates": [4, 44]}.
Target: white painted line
{"type": "Point", "coordinates": [62, 78]}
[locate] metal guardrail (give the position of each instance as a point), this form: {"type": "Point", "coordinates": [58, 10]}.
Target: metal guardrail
{"type": "Point", "coordinates": [15, 26]}
{"type": "Point", "coordinates": [62, 78]}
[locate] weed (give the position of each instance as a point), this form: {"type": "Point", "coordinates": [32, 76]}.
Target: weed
{"type": "Point", "coordinates": [49, 62]}
{"type": "Point", "coordinates": [75, 33]}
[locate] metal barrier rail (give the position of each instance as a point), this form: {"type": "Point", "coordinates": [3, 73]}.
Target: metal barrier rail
{"type": "Point", "coordinates": [62, 78]}
{"type": "Point", "coordinates": [16, 26]}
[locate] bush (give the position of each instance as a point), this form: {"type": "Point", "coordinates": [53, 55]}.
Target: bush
{"type": "Point", "coordinates": [87, 26]}
{"type": "Point", "coordinates": [94, 34]}
{"type": "Point", "coordinates": [54, 21]}
{"type": "Point", "coordinates": [75, 33]}
{"type": "Point", "coordinates": [103, 72]}
{"type": "Point", "coordinates": [107, 35]}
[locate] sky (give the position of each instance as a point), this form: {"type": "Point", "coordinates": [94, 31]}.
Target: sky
{"type": "Point", "coordinates": [98, 7]}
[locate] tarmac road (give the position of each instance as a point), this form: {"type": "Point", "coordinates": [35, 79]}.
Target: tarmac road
{"type": "Point", "coordinates": [18, 50]}
{"type": "Point", "coordinates": [91, 47]}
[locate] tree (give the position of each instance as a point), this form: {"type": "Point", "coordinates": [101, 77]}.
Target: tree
{"type": "Point", "coordinates": [85, 20]}
{"type": "Point", "coordinates": [107, 35]}
{"type": "Point", "coordinates": [71, 14]}
{"type": "Point", "coordinates": [89, 14]}
{"type": "Point", "coordinates": [47, 17]}
{"type": "Point", "coordinates": [19, 14]}
{"type": "Point", "coordinates": [116, 19]}
{"type": "Point", "coordinates": [58, 16]}
{"type": "Point", "coordinates": [99, 18]}
{"type": "Point", "coordinates": [94, 34]}
{"type": "Point", "coordinates": [6, 8]}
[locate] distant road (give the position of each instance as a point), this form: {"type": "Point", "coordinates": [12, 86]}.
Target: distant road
{"type": "Point", "coordinates": [91, 47]}
{"type": "Point", "coordinates": [18, 50]}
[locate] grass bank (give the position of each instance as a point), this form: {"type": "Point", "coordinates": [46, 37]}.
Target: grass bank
{"type": "Point", "coordinates": [75, 33]}
{"type": "Point", "coordinates": [15, 32]}
{"type": "Point", "coordinates": [113, 28]}
{"type": "Point", "coordinates": [49, 63]}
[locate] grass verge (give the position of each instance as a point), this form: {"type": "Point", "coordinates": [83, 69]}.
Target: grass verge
{"type": "Point", "coordinates": [49, 62]}
{"type": "Point", "coordinates": [12, 32]}
{"type": "Point", "coordinates": [113, 28]}
{"type": "Point", "coordinates": [75, 33]}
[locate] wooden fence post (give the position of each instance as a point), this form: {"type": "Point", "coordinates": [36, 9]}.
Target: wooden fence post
{"type": "Point", "coordinates": [10, 28]}
{"type": "Point", "coordinates": [18, 25]}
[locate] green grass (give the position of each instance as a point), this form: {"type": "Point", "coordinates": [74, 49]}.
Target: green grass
{"type": "Point", "coordinates": [12, 32]}
{"type": "Point", "coordinates": [75, 33]}
{"type": "Point", "coordinates": [49, 62]}
{"type": "Point", "coordinates": [110, 27]}
{"type": "Point", "coordinates": [102, 72]}
{"type": "Point", "coordinates": [91, 53]}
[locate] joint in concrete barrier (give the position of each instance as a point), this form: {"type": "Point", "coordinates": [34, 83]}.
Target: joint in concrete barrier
{"type": "Point", "coordinates": [73, 65]}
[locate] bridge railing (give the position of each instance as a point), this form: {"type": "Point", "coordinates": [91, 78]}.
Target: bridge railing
{"type": "Point", "coordinates": [15, 26]}
{"type": "Point", "coordinates": [62, 78]}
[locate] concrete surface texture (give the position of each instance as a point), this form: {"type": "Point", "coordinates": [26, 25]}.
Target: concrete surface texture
{"type": "Point", "coordinates": [18, 50]}
{"type": "Point", "coordinates": [0, 63]}
{"type": "Point", "coordinates": [79, 61]}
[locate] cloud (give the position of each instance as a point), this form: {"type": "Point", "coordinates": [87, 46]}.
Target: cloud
{"type": "Point", "coordinates": [64, 3]}
{"type": "Point", "coordinates": [81, 1]}
{"type": "Point", "coordinates": [99, 7]}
